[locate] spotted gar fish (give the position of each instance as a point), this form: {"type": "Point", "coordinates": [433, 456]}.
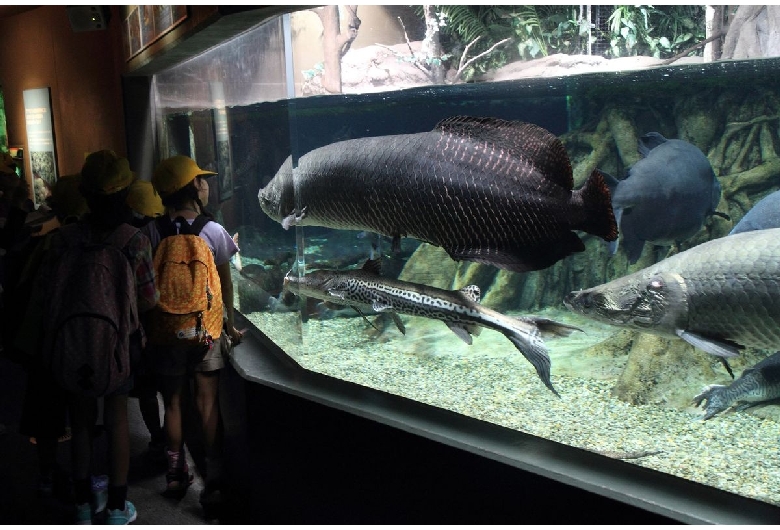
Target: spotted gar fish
{"type": "Point", "coordinates": [720, 296]}
{"type": "Point", "coordinates": [460, 310]}
{"type": "Point", "coordinates": [756, 384]}
{"type": "Point", "coordinates": [486, 190]}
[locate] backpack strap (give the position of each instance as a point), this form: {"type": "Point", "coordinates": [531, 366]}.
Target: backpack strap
{"type": "Point", "coordinates": [122, 235]}
{"type": "Point", "coordinates": [167, 227]}
{"type": "Point", "coordinates": [198, 224]}
{"type": "Point", "coordinates": [75, 234]}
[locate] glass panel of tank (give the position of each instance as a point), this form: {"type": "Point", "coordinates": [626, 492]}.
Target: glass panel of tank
{"type": "Point", "coordinates": [560, 233]}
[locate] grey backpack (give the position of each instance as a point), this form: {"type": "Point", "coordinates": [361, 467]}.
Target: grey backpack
{"type": "Point", "coordinates": [91, 319]}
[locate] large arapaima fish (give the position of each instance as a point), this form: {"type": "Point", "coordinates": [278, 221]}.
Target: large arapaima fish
{"type": "Point", "coordinates": [486, 190]}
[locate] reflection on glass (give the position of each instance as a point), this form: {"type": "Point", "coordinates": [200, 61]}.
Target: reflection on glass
{"type": "Point", "coordinates": [683, 137]}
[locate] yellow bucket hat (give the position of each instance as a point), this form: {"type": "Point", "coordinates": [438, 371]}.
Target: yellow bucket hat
{"type": "Point", "coordinates": [173, 173]}
{"type": "Point", "coordinates": [66, 200]}
{"type": "Point", "coordinates": [106, 173]}
{"type": "Point", "coordinates": [143, 199]}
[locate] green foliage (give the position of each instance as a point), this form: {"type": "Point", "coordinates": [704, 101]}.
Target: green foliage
{"type": "Point", "coordinates": [460, 25]}
{"type": "Point", "coordinates": [528, 31]}
{"type": "Point", "coordinates": [661, 31]}
{"type": "Point", "coordinates": [538, 31]}
{"type": "Point", "coordinates": [542, 30]}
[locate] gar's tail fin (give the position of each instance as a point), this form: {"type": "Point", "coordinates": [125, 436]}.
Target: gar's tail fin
{"type": "Point", "coordinates": [533, 349]}
{"type": "Point", "coordinates": [597, 204]}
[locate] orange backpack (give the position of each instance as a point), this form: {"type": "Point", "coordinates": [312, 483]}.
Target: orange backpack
{"type": "Point", "coordinates": [190, 306]}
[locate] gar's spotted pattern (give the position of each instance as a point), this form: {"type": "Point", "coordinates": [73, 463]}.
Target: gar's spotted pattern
{"type": "Point", "coordinates": [460, 310]}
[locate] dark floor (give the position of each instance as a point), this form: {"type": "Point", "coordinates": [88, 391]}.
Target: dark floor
{"type": "Point", "coordinates": [19, 502]}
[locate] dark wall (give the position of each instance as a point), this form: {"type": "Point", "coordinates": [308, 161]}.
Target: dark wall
{"type": "Point", "coordinates": [40, 49]}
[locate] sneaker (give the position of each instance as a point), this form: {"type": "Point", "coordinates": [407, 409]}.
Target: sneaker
{"type": "Point", "coordinates": [125, 516]}
{"type": "Point", "coordinates": [177, 483]}
{"type": "Point", "coordinates": [84, 513]}
{"type": "Point", "coordinates": [178, 477]}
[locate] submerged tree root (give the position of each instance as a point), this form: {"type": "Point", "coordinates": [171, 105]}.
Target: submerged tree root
{"type": "Point", "coordinates": [753, 179]}
{"type": "Point", "coordinates": [719, 153]}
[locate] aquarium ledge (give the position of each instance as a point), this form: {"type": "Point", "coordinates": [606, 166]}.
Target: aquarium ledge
{"type": "Point", "coordinates": [260, 361]}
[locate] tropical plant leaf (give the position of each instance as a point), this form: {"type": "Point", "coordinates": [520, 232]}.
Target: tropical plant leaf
{"type": "Point", "coordinates": [656, 31]}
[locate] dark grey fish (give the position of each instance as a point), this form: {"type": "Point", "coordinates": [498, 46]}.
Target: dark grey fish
{"type": "Point", "coordinates": [365, 289]}
{"type": "Point", "coordinates": [484, 189]}
{"type": "Point", "coordinates": [666, 196]}
{"type": "Point", "coordinates": [764, 214]}
{"type": "Point", "coordinates": [757, 384]}
{"type": "Point", "coordinates": [720, 296]}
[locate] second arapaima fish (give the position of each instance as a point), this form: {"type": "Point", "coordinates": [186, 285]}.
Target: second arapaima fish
{"type": "Point", "coordinates": [486, 190]}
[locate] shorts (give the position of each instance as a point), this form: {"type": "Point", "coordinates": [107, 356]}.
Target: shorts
{"type": "Point", "coordinates": [186, 360]}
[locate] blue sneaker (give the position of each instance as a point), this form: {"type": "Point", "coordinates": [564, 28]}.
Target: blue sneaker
{"type": "Point", "coordinates": [84, 513]}
{"type": "Point", "coordinates": [125, 516]}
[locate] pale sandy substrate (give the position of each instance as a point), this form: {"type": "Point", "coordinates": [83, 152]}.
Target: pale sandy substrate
{"type": "Point", "coordinates": [491, 381]}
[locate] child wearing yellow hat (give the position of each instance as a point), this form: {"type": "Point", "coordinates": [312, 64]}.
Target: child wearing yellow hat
{"type": "Point", "coordinates": [184, 189]}
{"type": "Point", "coordinates": [105, 183]}
{"type": "Point", "coordinates": [146, 205]}
{"type": "Point", "coordinates": [145, 202]}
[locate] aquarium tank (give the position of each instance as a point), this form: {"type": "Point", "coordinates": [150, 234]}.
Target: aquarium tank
{"type": "Point", "coordinates": [436, 202]}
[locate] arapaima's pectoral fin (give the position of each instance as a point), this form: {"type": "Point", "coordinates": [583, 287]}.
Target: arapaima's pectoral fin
{"type": "Point", "coordinates": [633, 247]}
{"type": "Point", "coordinates": [718, 347]}
{"type": "Point", "coordinates": [293, 218]}
{"type": "Point", "coordinates": [550, 327]}
{"type": "Point", "coordinates": [612, 246]}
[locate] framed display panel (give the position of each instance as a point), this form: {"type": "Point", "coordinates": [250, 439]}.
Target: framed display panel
{"type": "Point", "coordinates": [40, 141]}
{"type": "Point", "coordinates": [143, 25]}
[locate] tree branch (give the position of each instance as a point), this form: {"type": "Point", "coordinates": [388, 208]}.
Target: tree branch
{"type": "Point", "coordinates": [460, 69]}
{"type": "Point", "coordinates": [695, 46]}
